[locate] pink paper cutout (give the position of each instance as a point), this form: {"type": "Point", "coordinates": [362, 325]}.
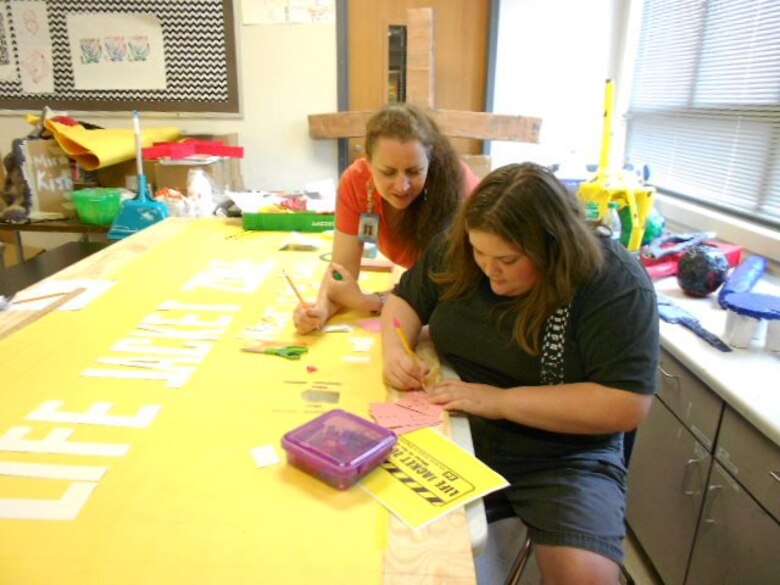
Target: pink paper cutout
{"type": "Point", "coordinates": [372, 325]}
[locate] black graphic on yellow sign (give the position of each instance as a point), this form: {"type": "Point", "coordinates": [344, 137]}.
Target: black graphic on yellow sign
{"type": "Point", "coordinates": [426, 476]}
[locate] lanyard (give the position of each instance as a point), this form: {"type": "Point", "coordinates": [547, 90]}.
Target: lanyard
{"type": "Point", "coordinates": [370, 190]}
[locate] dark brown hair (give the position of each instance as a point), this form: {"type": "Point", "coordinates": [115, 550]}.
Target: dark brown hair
{"type": "Point", "coordinates": [525, 205]}
{"type": "Point", "coordinates": [433, 210]}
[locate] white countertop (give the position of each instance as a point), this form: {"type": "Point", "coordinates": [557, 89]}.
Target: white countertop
{"type": "Point", "coordinates": [747, 379]}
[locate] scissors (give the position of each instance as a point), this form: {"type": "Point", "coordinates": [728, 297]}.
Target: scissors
{"type": "Point", "coordinates": [288, 352]}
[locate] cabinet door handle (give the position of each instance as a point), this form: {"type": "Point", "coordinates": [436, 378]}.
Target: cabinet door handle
{"type": "Point", "coordinates": [687, 477]}
{"type": "Point", "coordinates": [709, 498]}
{"type": "Point", "coordinates": [775, 475]}
{"type": "Point", "coordinates": [666, 374]}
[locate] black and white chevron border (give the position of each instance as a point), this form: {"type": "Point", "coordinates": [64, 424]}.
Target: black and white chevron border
{"type": "Point", "coordinates": [196, 60]}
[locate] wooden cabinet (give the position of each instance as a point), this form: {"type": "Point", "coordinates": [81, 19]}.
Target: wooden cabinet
{"type": "Point", "coordinates": [704, 487]}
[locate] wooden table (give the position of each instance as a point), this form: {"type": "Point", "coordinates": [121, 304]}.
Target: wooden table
{"type": "Point", "coordinates": [153, 478]}
{"type": "Point", "coordinates": [70, 226]}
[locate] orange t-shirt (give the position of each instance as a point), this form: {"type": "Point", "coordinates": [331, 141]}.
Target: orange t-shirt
{"type": "Point", "coordinates": [353, 200]}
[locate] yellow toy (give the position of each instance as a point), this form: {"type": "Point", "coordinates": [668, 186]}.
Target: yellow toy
{"type": "Point", "coordinates": [620, 186]}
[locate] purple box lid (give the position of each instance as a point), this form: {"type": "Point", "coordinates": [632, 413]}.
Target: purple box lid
{"type": "Point", "coordinates": [338, 446]}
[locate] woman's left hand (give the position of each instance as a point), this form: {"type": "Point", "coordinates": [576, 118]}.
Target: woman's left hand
{"type": "Point", "coordinates": [479, 399]}
{"type": "Point", "coordinates": [343, 289]}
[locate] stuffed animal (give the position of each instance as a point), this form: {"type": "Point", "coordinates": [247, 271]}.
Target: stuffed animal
{"type": "Point", "coordinates": [16, 197]}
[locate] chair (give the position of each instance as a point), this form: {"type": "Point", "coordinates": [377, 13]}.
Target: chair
{"type": "Point", "coordinates": [498, 507]}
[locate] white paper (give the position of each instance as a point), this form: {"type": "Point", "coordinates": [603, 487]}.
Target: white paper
{"type": "Point", "coordinates": [265, 456]}
{"type": "Point", "coordinates": [34, 43]}
{"type": "Point", "coordinates": [288, 11]}
{"type": "Point", "coordinates": [116, 51]}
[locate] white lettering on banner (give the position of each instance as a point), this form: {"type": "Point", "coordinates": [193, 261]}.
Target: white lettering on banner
{"type": "Point", "coordinates": [150, 362]}
{"type": "Point", "coordinates": [192, 347]}
{"type": "Point", "coordinates": [136, 345]}
{"type": "Point", "coordinates": [154, 331]}
{"type": "Point", "coordinates": [188, 320]}
{"type": "Point", "coordinates": [53, 471]}
{"type": "Point", "coordinates": [66, 508]}
{"type": "Point", "coordinates": [57, 442]}
{"type": "Point", "coordinates": [96, 415]}
{"type": "Point", "coordinates": [174, 379]}
{"type": "Point", "coordinates": [240, 276]}
{"type": "Point", "coordinates": [176, 305]}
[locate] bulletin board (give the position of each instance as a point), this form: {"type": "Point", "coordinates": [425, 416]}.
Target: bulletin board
{"type": "Point", "coordinates": [119, 55]}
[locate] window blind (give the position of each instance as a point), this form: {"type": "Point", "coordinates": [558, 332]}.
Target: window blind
{"type": "Point", "coordinates": [704, 113]}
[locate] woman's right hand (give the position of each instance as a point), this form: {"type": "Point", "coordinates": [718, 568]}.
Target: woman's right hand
{"type": "Point", "coordinates": [403, 372]}
{"type": "Point", "coordinates": [309, 317]}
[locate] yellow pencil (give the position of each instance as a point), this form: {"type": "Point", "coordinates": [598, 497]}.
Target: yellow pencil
{"type": "Point", "coordinates": [293, 287]}
{"type": "Point", "coordinates": [402, 337]}
{"type": "Point", "coordinates": [407, 347]}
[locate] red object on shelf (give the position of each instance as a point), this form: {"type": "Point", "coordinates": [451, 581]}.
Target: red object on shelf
{"type": "Point", "coordinates": [191, 147]}
{"type": "Point", "coordinates": [667, 266]}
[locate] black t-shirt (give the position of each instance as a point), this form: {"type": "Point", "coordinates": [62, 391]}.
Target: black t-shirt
{"type": "Point", "coordinates": [610, 329]}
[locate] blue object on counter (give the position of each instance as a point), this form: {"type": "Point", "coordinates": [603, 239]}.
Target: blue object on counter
{"type": "Point", "coordinates": [754, 305]}
{"type": "Point", "coordinates": [743, 278]}
{"type": "Point", "coordinates": [671, 313]}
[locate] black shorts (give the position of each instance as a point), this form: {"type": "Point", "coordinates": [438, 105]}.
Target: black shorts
{"type": "Point", "coordinates": [567, 494]}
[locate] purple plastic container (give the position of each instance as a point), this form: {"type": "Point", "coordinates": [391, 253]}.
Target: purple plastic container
{"type": "Point", "coordinates": [338, 447]}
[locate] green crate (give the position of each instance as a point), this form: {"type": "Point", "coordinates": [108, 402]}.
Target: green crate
{"type": "Point", "coordinates": [301, 221]}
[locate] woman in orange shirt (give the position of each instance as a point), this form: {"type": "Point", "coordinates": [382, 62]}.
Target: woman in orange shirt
{"type": "Point", "coordinates": [400, 196]}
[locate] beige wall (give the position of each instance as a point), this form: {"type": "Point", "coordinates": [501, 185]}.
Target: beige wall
{"type": "Point", "coordinates": [286, 72]}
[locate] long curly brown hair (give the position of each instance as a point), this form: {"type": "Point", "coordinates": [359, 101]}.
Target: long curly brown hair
{"type": "Point", "coordinates": [434, 209]}
{"type": "Point", "coordinates": [525, 205]}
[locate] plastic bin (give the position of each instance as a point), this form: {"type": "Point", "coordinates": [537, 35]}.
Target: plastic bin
{"type": "Point", "coordinates": [338, 447]}
{"type": "Point", "coordinates": [301, 221]}
{"type": "Point", "coordinates": [99, 205]}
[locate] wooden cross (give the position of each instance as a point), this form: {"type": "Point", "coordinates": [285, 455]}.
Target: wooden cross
{"type": "Point", "coordinates": [419, 73]}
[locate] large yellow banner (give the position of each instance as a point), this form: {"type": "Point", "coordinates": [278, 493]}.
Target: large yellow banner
{"type": "Point", "coordinates": [127, 427]}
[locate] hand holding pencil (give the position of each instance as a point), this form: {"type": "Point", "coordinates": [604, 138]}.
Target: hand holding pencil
{"type": "Point", "coordinates": [307, 316]}
{"type": "Point", "coordinates": [404, 371]}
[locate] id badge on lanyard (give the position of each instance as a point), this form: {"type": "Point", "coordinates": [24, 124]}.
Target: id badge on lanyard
{"type": "Point", "coordinates": [368, 228]}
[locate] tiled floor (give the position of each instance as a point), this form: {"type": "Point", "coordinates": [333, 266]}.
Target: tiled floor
{"type": "Point", "coordinates": [505, 539]}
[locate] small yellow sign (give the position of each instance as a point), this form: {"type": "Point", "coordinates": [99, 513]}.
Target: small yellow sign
{"type": "Point", "coordinates": [427, 476]}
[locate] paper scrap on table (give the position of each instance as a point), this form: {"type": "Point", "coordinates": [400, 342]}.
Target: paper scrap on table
{"type": "Point", "coordinates": [361, 344]}
{"type": "Point", "coordinates": [428, 476]}
{"type": "Point", "coordinates": [93, 289]}
{"type": "Point", "coordinates": [265, 456]}
{"type": "Point", "coordinates": [337, 328]}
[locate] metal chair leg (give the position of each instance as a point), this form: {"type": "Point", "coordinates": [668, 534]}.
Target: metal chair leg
{"type": "Point", "coordinates": [516, 571]}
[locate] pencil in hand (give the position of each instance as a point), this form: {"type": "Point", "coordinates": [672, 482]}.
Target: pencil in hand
{"type": "Point", "coordinates": [402, 337]}
{"type": "Point", "coordinates": [294, 288]}
{"type": "Point", "coordinates": [405, 343]}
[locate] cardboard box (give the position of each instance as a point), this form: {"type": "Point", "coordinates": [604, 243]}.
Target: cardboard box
{"type": "Point", "coordinates": [225, 172]}
{"type": "Point", "coordinates": [173, 173]}
{"type": "Point", "coordinates": [46, 170]}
